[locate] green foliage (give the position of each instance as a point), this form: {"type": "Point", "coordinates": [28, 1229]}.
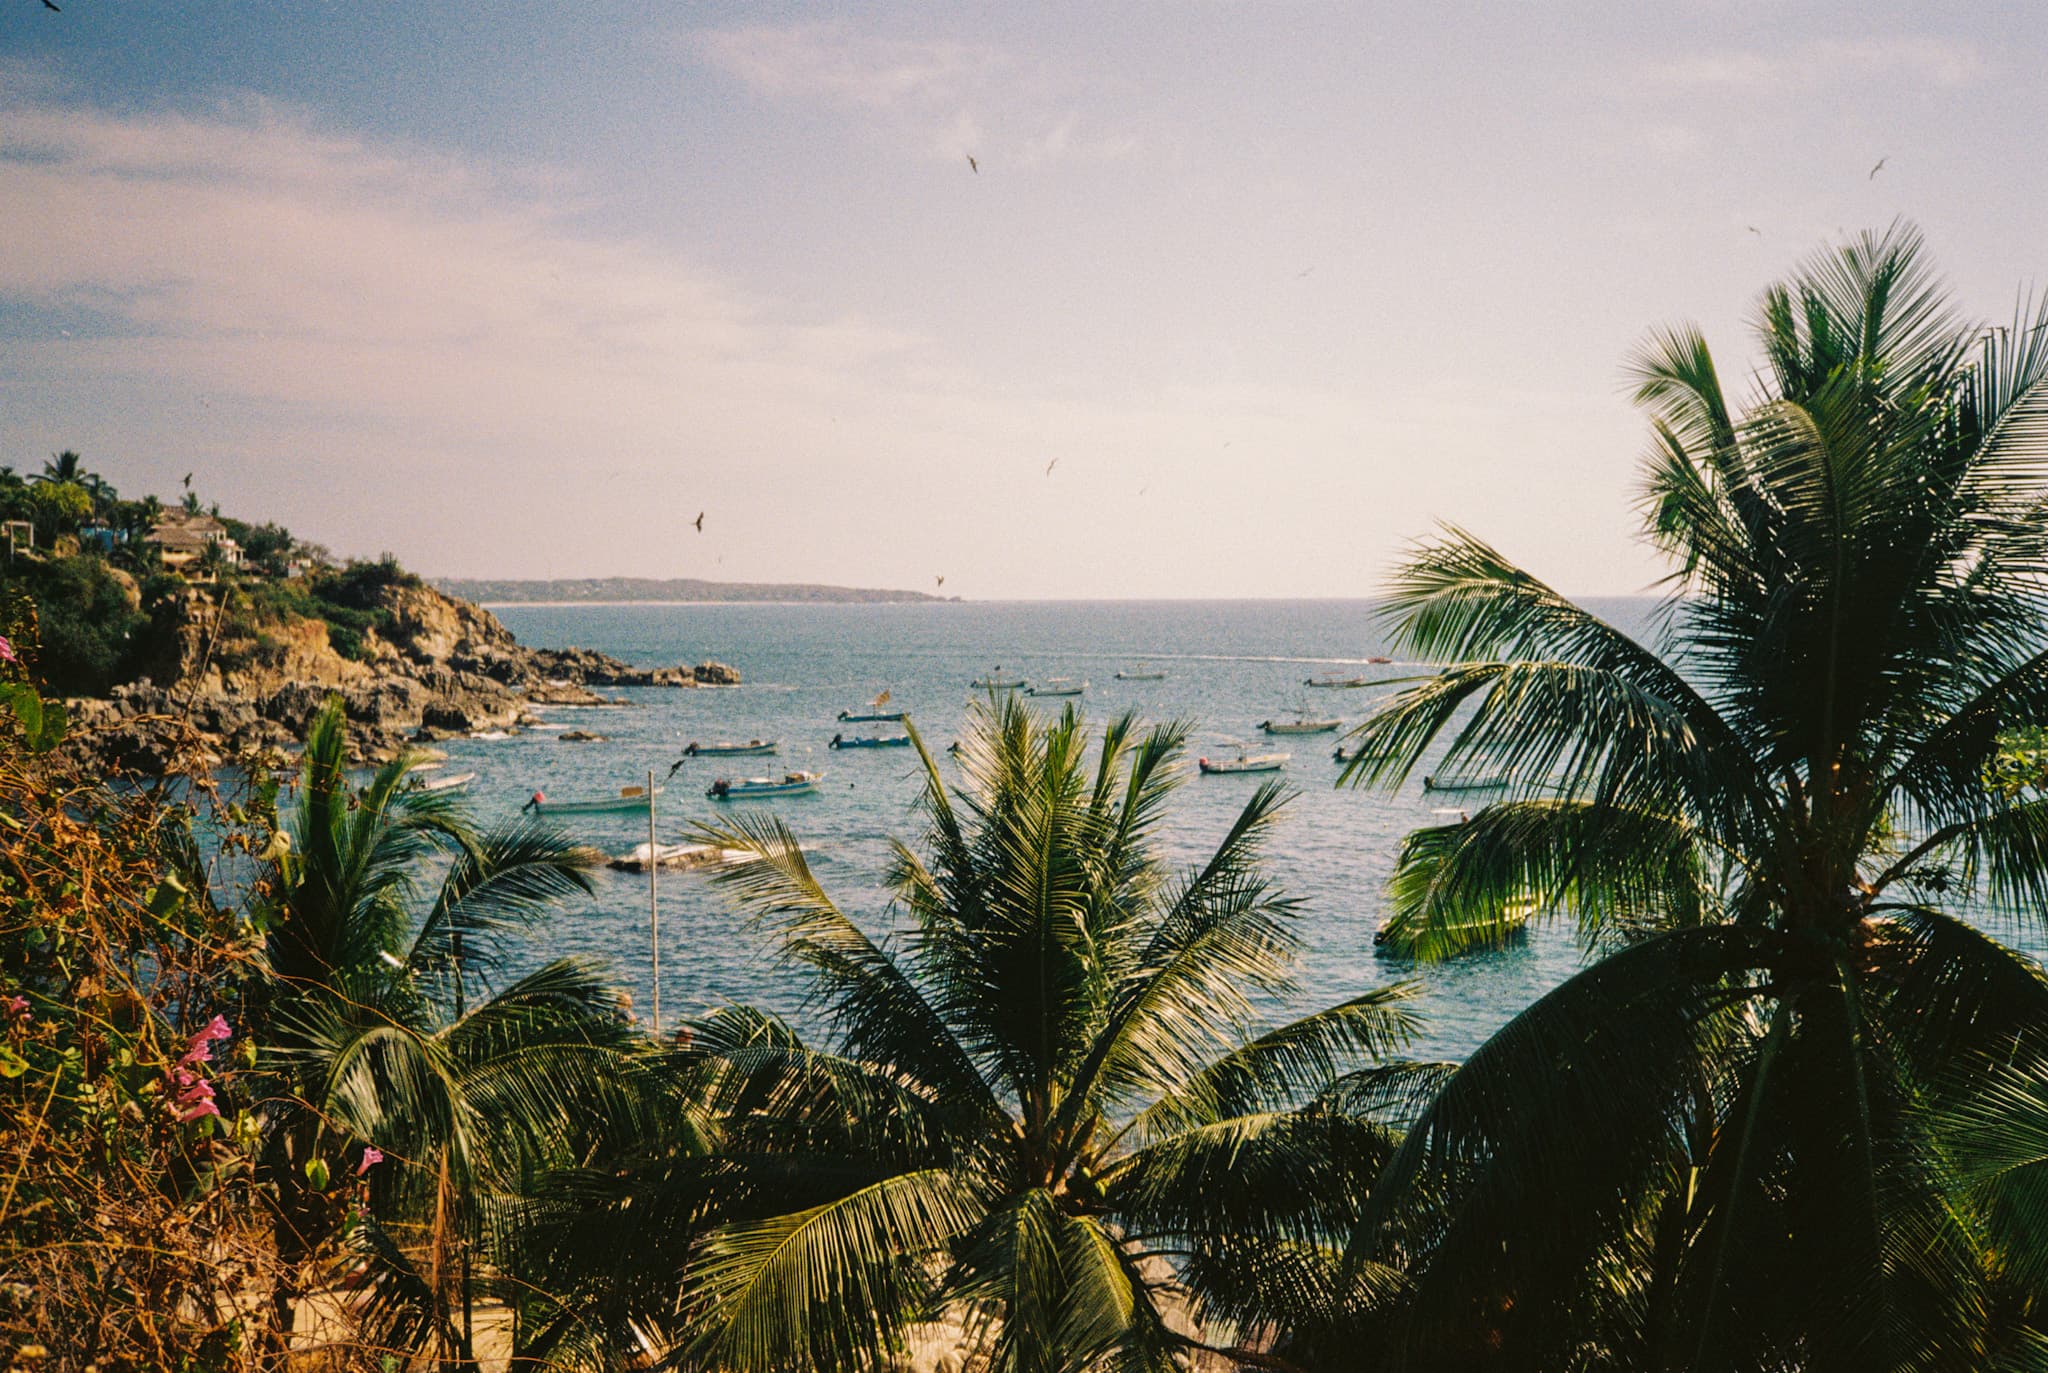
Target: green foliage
{"type": "Point", "coordinates": [1723, 1144]}
{"type": "Point", "coordinates": [87, 623]}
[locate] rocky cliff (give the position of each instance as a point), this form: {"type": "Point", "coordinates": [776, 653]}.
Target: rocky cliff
{"type": "Point", "coordinates": [226, 681]}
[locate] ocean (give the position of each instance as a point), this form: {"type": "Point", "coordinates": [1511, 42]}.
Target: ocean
{"type": "Point", "coordinates": [1228, 665]}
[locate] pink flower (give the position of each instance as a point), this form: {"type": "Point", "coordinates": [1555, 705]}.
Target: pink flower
{"type": "Point", "coordinates": [372, 1156]}
{"type": "Point", "coordinates": [7, 651]}
{"type": "Point", "coordinates": [17, 1006]}
{"type": "Point", "coordinates": [200, 1048]}
{"type": "Point", "coordinates": [190, 1114]}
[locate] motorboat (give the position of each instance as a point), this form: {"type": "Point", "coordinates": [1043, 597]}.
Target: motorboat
{"type": "Point", "coordinates": [629, 800]}
{"type": "Point", "coordinates": [1245, 762]}
{"type": "Point", "coordinates": [1057, 686]}
{"type": "Point", "coordinates": [870, 741]}
{"type": "Point", "coordinates": [873, 714]}
{"type": "Point", "coordinates": [454, 781]}
{"type": "Point", "coordinates": [1452, 782]}
{"type": "Point", "coordinates": [725, 749]}
{"type": "Point", "coordinates": [1300, 724]}
{"type": "Point", "coordinates": [1141, 673]}
{"type": "Point", "coordinates": [1333, 680]}
{"type": "Point", "coordinates": [749, 788]}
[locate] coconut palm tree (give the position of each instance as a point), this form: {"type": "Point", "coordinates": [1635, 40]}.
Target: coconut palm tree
{"type": "Point", "coordinates": [387, 907]}
{"type": "Point", "coordinates": [66, 466]}
{"type": "Point", "coordinates": [1712, 1148]}
{"type": "Point", "coordinates": [1048, 1117]}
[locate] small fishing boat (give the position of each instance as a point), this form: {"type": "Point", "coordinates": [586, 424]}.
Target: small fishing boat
{"type": "Point", "coordinates": [748, 788]}
{"type": "Point", "coordinates": [1245, 762]}
{"type": "Point", "coordinates": [1057, 686]}
{"type": "Point", "coordinates": [1300, 724]}
{"type": "Point", "coordinates": [996, 681]}
{"type": "Point", "coordinates": [680, 856]}
{"type": "Point", "coordinates": [870, 741]}
{"type": "Point", "coordinates": [1451, 782]}
{"type": "Point", "coordinates": [629, 800]}
{"type": "Point", "coordinates": [1398, 939]}
{"type": "Point", "coordinates": [724, 749]}
{"type": "Point", "coordinates": [1142, 673]}
{"type": "Point", "coordinates": [1333, 680]}
{"type": "Point", "coordinates": [455, 781]}
{"type": "Point", "coordinates": [873, 714]}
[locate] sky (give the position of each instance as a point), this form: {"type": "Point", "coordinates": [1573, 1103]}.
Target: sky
{"type": "Point", "coordinates": [1210, 298]}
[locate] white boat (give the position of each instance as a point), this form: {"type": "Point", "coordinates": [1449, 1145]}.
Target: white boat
{"type": "Point", "coordinates": [1514, 920]}
{"type": "Point", "coordinates": [724, 748]}
{"type": "Point", "coordinates": [453, 782]}
{"type": "Point", "coordinates": [628, 800]}
{"type": "Point", "coordinates": [746, 788]}
{"type": "Point", "coordinates": [1057, 686]}
{"type": "Point", "coordinates": [1300, 724]}
{"type": "Point", "coordinates": [1245, 762]}
{"type": "Point", "coordinates": [873, 714]}
{"type": "Point", "coordinates": [1142, 673]}
{"type": "Point", "coordinates": [681, 856]}
{"type": "Point", "coordinates": [995, 681]}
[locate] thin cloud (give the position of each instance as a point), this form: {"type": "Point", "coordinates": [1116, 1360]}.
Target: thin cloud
{"type": "Point", "coordinates": [947, 95]}
{"type": "Point", "coordinates": [832, 62]}
{"type": "Point", "coordinates": [1930, 61]}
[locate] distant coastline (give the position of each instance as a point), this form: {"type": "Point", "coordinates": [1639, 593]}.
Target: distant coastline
{"type": "Point", "coordinates": [676, 591]}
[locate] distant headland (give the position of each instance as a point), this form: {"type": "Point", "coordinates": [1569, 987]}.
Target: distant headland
{"type": "Point", "coordinates": [677, 590]}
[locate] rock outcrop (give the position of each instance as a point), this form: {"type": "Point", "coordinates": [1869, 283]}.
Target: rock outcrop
{"type": "Point", "coordinates": [433, 667]}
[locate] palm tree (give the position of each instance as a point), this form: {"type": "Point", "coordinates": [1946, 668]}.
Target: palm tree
{"type": "Point", "coordinates": [370, 1028]}
{"type": "Point", "coordinates": [1713, 1147]}
{"type": "Point", "coordinates": [1047, 1114]}
{"type": "Point", "coordinates": [66, 466]}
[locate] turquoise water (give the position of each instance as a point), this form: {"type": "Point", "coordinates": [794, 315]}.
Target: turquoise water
{"type": "Point", "coordinates": [1228, 665]}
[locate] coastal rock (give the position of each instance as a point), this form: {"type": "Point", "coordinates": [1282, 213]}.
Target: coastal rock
{"type": "Point", "coordinates": [716, 674]}
{"type": "Point", "coordinates": [579, 736]}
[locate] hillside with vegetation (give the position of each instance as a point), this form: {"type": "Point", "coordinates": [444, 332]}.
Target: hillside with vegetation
{"type": "Point", "coordinates": [177, 625]}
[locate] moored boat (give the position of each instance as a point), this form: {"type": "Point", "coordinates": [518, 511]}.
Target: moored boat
{"type": "Point", "coordinates": [1346, 755]}
{"type": "Point", "coordinates": [1245, 762]}
{"type": "Point", "coordinates": [1452, 782]}
{"type": "Point", "coordinates": [1057, 686]}
{"type": "Point", "coordinates": [871, 717]}
{"type": "Point", "coordinates": [870, 741]}
{"type": "Point", "coordinates": [1301, 724]}
{"type": "Point", "coordinates": [629, 800]}
{"type": "Point", "coordinates": [1142, 673]}
{"type": "Point", "coordinates": [1331, 679]}
{"type": "Point", "coordinates": [453, 782]}
{"type": "Point", "coordinates": [725, 749]}
{"type": "Point", "coordinates": [1398, 937]}
{"type": "Point", "coordinates": [747, 788]}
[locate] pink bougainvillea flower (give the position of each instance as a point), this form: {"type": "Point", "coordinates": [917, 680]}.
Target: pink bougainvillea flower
{"type": "Point", "coordinates": [192, 1113]}
{"type": "Point", "coordinates": [7, 651]}
{"type": "Point", "coordinates": [372, 1156]}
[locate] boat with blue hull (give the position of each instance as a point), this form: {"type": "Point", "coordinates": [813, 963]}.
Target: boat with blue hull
{"type": "Point", "coordinates": [870, 741]}
{"type": "Point", "coordinates": [754, 788]}
{"type": "Point", "coordinates": [753, 748]}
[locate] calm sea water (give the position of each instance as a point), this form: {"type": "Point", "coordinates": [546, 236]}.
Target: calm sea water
{"type": "Point", "coordinates": [1229, 665]}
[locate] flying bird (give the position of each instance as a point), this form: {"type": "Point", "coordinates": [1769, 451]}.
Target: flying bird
{"type": "Point", "coordinates": [188, 481]}
{"type": "Point", "coordinates": [942, 581]}
{"type": "Point", "coordinates": [49, 6]}
{"type": "Point", "coordinates": [1878, 168]}
{"type": "Point", "coordinates": [1049, 466]}
{"type": "Point", "coordinates": [1758, 232]}
{"type": "Point", "coordinates": [700, 522]}
{"type": "Point", "coordinates": [1303, 272]}
{"type": "Point", "coordinates": [972, 165]}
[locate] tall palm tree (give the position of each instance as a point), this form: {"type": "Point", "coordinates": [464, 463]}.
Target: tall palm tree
{"type": "Point", "coordinates": [1049, 1113]}
{"type": "Point", "coordinates": [66, 466]}
{"type": "Point", "coordinates": [388, 906]}
{"type": "Point", "coordinates": [1712, 1148]}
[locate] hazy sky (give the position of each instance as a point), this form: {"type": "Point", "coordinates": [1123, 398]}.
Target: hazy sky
{"type": "Point", "coordinates": [517, 289]}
